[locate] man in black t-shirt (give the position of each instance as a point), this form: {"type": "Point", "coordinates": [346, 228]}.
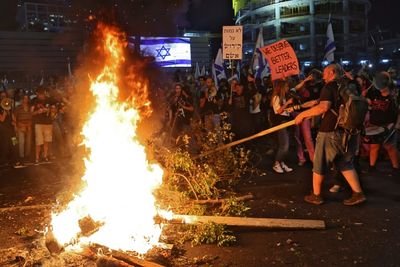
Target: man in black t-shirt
{"type": "Point", "coordinates": [43, 124]}
{"type": "Point", "coordinates": [383, 113]}
{"type": "Point", "coordinates": [180, 111]}
{"type": "Point", "coordinates": [211, 105]}
{"type": "Point", "coordinates": [240, 115]}
{"type": "Point", "coordinates": [328, 148]}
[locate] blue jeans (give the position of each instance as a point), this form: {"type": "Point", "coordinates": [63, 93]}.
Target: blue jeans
{"type": "Point", "coordinates": [283, 145]}
{"type": "Point", "coordinates": [24, 135]}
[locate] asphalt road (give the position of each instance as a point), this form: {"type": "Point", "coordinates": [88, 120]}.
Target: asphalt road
{"type": "Point", "coordinates": [365, 235]}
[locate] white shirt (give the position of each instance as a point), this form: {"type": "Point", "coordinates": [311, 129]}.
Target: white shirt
{"type": "Point", "coordinates": [276, 105]}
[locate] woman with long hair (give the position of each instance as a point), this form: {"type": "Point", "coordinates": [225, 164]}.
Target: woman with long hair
{"type": "Point", "coordinates": [279, 116]}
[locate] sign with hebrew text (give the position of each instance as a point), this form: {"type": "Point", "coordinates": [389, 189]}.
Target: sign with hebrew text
{"type": "Point", "coordinates": [232, 42]}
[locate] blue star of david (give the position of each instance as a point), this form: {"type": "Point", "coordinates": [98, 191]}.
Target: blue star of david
{"type": "Point", "coordinates": [163, 52]}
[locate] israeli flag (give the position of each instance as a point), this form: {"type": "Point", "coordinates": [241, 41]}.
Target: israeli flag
{"type": "Point", "coordinates": [219, 66]}
{"type": "Point", "coordinates": [203, 71]}
{"type": "Point", "coordinates": [197, 71]}
{"type": "Point", "coordinates": [167, 51]}
{"type": "Point", "coordinates": [259, 65]}
{"type": "Point", "coordinates": [330, 43]}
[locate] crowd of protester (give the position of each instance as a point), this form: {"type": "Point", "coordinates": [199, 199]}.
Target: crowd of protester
{"type": "Point", "coordinates": [253, 105]}
{"type": "Point", "coordinates": [35, 126]}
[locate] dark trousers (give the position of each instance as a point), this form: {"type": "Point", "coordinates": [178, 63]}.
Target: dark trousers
{"type": "Point", "coordinates": [8, 147]}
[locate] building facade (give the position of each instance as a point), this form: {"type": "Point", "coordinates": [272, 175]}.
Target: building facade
{"type": "Point", "coordinates": [304, 22]}
{"type": "Point", "coordinates": [45, 15]}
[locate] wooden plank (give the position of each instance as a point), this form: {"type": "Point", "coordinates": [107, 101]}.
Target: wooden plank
{"type": "Point", "coordinates": [251, 222]}
{"type": "Point", "coordinates": [133, 260]}
{"type": "Point", "coordinates": [262, 133]}
{"type": "Point", "coordinates": [104, 261]}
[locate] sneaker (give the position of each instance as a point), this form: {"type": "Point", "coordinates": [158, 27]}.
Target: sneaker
{"type": "Point", "coordinates": [314, 199]}
{"type": "Point", "coordinates": [301, 163]}
{"type": "Point", "coordinates": [36, 162]}
{"type": "Point", "coordinates": [285, 167]}
{"type": "Point", "coordinates": [18, 165]}
{"type": "Point", "coordinates": [277, 167]}
{"type": "Point", "coordinates": [46, 160]}
{"type": "Point", "coordinates": [335, 188]}
{"type": "Point", "coordinates": [356, 198]}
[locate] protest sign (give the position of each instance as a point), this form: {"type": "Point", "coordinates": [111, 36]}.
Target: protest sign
{"type": "Point", "coordinates": [282, 59]}
{"type": "Point", "coordinates": [232, 42]}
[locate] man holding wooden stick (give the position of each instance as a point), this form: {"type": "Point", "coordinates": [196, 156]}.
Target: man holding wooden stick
{"type": "Point", "coordinates": [328, 146]}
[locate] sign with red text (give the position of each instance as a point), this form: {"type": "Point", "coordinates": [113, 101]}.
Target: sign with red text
{"type": "Point", "coordinates": [232, 42]}
{"type": "Point", "coordinates": [282, 59]}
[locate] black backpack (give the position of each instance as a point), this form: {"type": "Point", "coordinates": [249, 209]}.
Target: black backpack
{"type": "Point", "coordinates": [353, 107]}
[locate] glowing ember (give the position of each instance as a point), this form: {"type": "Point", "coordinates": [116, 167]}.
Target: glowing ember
{"type": "Point", "coordinates": [119, 179]}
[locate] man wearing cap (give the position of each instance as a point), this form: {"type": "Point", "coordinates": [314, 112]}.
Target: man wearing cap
{"type": "Point", "coordinates": [383, 113]}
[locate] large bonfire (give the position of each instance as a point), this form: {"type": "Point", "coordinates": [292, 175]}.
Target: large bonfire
{"type": "Point", "coordinates": [119, 181]}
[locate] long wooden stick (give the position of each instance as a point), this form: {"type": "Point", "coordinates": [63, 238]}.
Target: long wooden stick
{"type": "Point", "coordinates": [262, 133]}
{"type": "Point", "coordinates": [133, 260]}
{"type": "Point", "coordinates": [251, 222]}
{"type": "Point", "coordinates": [129, 260]}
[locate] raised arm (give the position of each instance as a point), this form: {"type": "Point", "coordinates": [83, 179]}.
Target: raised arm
{"type": "Point", "coordinates": [319, 109]}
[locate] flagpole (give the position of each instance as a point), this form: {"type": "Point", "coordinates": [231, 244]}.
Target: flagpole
{"type": "Point", "coordinates": [230, 62]}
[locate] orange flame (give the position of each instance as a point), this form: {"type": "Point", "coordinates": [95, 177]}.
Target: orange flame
{"type": "Point", "coordinates": [119, 179]}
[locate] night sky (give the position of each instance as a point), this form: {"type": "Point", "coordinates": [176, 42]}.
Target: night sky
{"type": "Point", "coordinates": [384, 14]}
{"type": "Point", "coordinates": [210, 15]}
{"type": "Point", "coordinates": [164, 17]}
{"type": "Point", "coordinates": [159, 17]}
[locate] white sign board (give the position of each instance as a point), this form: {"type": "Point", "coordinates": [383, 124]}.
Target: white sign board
{"type": "Point", "coordinates": [232, 42]}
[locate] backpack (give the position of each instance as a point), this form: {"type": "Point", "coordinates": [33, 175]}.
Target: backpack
{"type": "Point", "coordinates": [353, 107]}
